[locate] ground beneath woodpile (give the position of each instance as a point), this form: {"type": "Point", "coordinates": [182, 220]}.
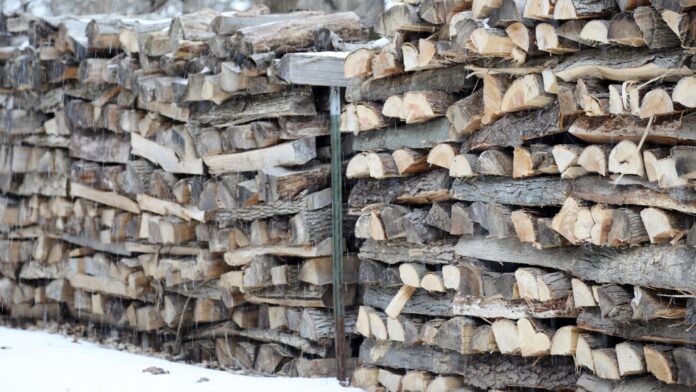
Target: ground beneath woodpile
{"type": "Point", "coordinates": [32, 361]}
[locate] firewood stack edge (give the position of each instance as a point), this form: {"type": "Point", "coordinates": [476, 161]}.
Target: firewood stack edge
{"type": "Point", "coordinates": [519, 212]}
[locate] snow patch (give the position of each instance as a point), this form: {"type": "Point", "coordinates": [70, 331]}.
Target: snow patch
{"type": "Point", "coordinates": [38, 361]}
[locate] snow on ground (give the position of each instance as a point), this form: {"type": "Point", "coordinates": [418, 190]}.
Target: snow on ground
{"type": "Point", "coordinates": [38, 361]}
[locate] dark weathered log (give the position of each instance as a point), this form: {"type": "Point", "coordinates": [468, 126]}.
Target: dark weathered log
{"type": "Point", "coordinates": [654, 266]}
{"type": "Point", "coordinates": [592, 383]}
{"type": "Point", "coordinates": [659, 330]}
{"type": "Point", "coordinates": [451, 79]}
{"type": "Point", "coordinates": [296, 102]}
{"type": "Point", "coordinates": [421, 135]}
{"type": "Point", "coordinates": [515, 129]}
{"type": "Point", "coordinates": [624, 64]}
{"type": "Point", "coordinates": [421, 188]}
{"type": "Point", "coordinates": [294, 33]}
{"type": "Point", "coordinates": [420, 303]}
{"type": "Point", "coordinates": [538, 191]}
{"type": "Point", "coordinates": [481, 370]}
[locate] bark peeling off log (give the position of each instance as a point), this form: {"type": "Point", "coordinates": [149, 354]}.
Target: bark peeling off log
{"type": "Point", "coordinates": [482, 371]}
{"type": "Point", "coordinates": [511, 309]}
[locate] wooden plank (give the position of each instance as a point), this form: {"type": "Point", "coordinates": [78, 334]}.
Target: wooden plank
{"type": "Point", "coordinates": [314, 68]}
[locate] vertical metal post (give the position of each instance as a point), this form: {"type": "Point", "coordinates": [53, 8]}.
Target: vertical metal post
{"type": "Point", "coordinates": [337, 232]}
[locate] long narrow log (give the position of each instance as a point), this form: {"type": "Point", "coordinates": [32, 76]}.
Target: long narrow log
{"type": "Point", "coordinates": [393, 252]}
{"type": "Point", "coordinates": [515, 129]}
{"type": "Point", "coordinates": [487, 371]}
{"type": "Point", "coordinates": [449, 79]}
{"type": "Point", "coordinates": [420, 303]}
{"type": "Point", "coordinates": [511, 309]}
{"type": "Point", "coordinates": [659, 330]}
{"type": "Point", "coordinates": [663, 266]}
{"type": "Point", "coordinates": [421, 135]}
{"type": "Point", "coordinates": [681, 130]}
{"type": "Point", "coordinates": [592, 383]}
{"type": "Point", "coordinates": [548, 191]}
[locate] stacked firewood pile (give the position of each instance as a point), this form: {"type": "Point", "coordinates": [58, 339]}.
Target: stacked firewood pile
{"type": "Point", "coordinates": [161, 176]}
{"type": "Point", "coordinates": [519, 187]}
{"type": "Point", "coordinates": [522, 185]}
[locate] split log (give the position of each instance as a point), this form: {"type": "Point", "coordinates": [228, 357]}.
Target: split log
{"type": "Point", "coordinates": [556, 41]}
{"type": "Point", "coordinates": [627, 228]}
{"type": "Point", "coordinates": [606, 365]}
{"type": "Point", "coordinates": [625, 158]}
{"type": "Point", "coordinates": [466, 114]}
{"type": "Point", "coordinates": [506, 336]}
{"type": "Point", "coordinates": [564, 341]}
{"type": "Point", "coordinates": [647, 305]}
{"type": "Point", "coordinates": [410, 161]}
{"type": "Point", "coordinates": [463, 165]}
{"type": "Point", "coordinates": [455, 334]}
{"type": "Point", "coordinates": [534, 339]}
{"type": "Point", "coordinates": [582, 294]}
{"type": "Point", "coordinates": [404, 329]}
{"type": "Point", "coordinates": [631, 358]}
{"type": "Point", "coordinates": [532, 161]}
{"type": "Point", "coordinates": [663, 226]}
{"type": "Point", "coordinates": [659, 361]}
{"type": "Point", "coordinates": [358, 64]}
{"type": "Point", "coordinates": [494, 163]}
{"type": "Point", "coordinates": [421, 106]}
{"type": "Point", "coordinates": [681, 93]}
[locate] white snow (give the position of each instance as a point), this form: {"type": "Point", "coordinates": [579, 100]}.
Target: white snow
{"type": "Point", "coordinates": [38, 361]}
